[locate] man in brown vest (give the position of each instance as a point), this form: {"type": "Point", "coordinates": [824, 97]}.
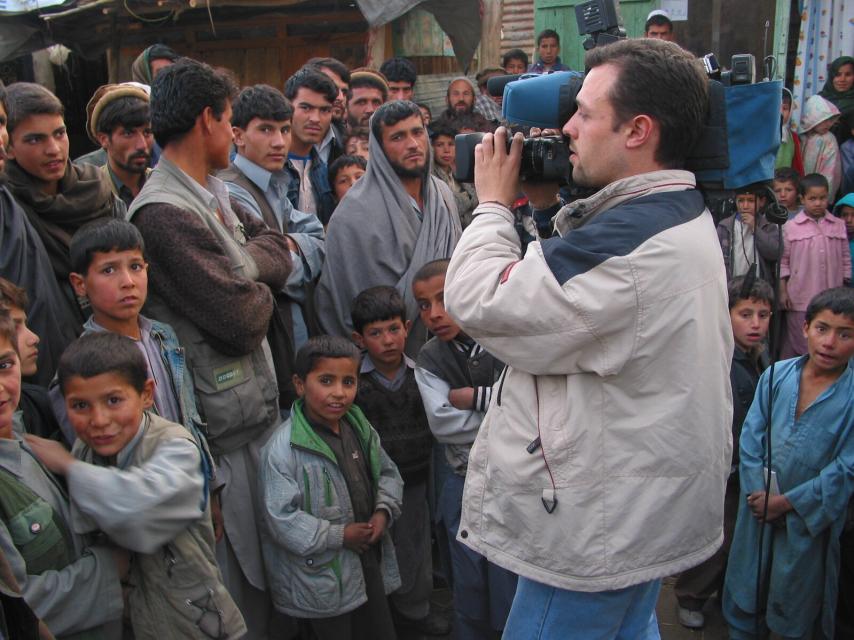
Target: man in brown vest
{"type": "Point", "coordinates": [213, 271]}
{"type": "Point", "coordinates": [256, 179]}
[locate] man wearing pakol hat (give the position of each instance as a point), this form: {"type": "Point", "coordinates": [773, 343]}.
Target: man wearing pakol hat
{"type": "Point", "coordinates": [368, 90]}
{"type": "Point", "coordinates": [118, 119]}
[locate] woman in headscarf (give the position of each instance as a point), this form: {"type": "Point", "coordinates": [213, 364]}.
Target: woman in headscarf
{"type": "Point", "coordinates": [150, 61]}
{"type": "Point", "coordinates": [839, 89]}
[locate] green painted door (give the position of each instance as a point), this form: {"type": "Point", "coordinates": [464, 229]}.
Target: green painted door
{"type": "Point", "coordinates": [560, 16]}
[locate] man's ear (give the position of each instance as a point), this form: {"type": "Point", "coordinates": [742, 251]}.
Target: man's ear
{"type": "Point", "coordinates": [206, 119]}
{"type": "Point", "coordinates": [642, 130]}
{"type": "Point", "coordinates": [78, 284]}
{"type": "Point", "coordinates": [238, 134]}
{"type": "Point", "coordinates": [407, 326]}
{"type": "Point", "coordinates": [357, 338]}
{"type": "Point", "coordinates": [103, 139]}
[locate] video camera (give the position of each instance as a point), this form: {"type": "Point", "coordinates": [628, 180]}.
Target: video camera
{"type": "Point", "coordinates": [737, 145]}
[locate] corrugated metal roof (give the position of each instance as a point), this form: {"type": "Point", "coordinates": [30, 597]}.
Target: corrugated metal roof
{"type": "Point", "coordinates": [517, 26]}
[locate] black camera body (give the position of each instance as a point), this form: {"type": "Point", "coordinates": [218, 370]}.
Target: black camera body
{"type": "Point", "coordinates": [545, 159]}
{"type": "Point", "coordinates": [726, 154]}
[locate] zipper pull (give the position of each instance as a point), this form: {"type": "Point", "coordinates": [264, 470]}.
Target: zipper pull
{"type": "Point", "coordinates": [549, 499]}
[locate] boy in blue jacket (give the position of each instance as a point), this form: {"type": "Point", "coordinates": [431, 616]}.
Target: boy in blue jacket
{"type": "Point", "coordinates": [812, 438]}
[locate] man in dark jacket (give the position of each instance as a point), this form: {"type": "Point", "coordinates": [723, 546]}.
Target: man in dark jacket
{"type": "Point", "coordinates": [313, 95]}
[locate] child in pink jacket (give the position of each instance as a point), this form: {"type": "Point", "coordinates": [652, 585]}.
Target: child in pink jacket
{"type": "Point", "coordinates": [816, 257]}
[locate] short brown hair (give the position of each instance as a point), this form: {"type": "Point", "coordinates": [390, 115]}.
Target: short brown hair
{"type": "Point", "coordinates": [12, 295]}
{"type": "Point", "coordinates": [7, 327]}
{"type": "Point", "coordinates": [661, 80]}
{"type": "Point", "coordinates": [25, 99]}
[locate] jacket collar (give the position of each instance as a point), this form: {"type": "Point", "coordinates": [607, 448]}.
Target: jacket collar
{"type": "Point", "coordinates": [803, 218]}
{"type": "Point", "coordinates": [580, 212]}
{"type": "Point", "coordinates": [304, 437]}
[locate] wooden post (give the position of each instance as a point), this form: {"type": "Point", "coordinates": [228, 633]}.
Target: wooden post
{"type": "Point", "coordinates": [378, 47]}
{"type": "Point", "coordinates": [114, 52]}
{"type": "Point", "coordinates": [490, 36]}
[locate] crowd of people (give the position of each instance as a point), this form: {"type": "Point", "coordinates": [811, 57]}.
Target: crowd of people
{"type": "Point", "coordinates": [233, 403]}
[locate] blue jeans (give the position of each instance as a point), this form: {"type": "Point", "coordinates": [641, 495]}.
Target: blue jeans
{"type": "Point", "coordinates": [540, 612]}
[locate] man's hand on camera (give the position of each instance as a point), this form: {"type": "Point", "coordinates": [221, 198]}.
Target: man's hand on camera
{"type": "Point", "coordinates": [541, 195]}
{"type": "Point", "coordinates": [496, 173]}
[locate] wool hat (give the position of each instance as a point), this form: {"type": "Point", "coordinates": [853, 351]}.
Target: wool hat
{"type": "Point", "coordinates": [372, 74]}
{"type": "Point", "coordinates": [658, 12]}
{"type": "Point", "coordinates": [104, 95]}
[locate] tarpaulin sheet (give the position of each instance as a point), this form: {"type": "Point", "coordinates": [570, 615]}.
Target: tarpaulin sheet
{"type": "Point", "coordinates": [459, 19]}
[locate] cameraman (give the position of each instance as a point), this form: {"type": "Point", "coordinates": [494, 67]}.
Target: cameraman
{"type": "Point", "coordinates": [601, 465]}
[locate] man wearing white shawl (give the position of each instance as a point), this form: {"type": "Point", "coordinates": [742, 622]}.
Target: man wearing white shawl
{"type": "Point", "coordinates": [396, 218]}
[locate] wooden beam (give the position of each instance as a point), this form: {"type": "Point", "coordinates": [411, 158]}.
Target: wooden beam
{"type": "Point", "coordinates": [490, 36]}
{"type": "Point", "coordinates": [379, 46]}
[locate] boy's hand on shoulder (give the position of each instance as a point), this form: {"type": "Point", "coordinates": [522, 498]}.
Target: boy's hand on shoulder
{"type": "Point", "coordinates": [50, 453]}
{"type": "Point", "coordinates": [357, 536]}
{"type": "Point", "coordinates": [462, 399]}
{"type": "Point", "coordinates": [379, 522]}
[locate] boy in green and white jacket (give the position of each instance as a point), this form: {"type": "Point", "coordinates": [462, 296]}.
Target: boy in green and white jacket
{"type": "Point", "coordinates": [329, 494]}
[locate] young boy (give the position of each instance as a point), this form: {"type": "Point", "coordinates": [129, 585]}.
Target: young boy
{"type": "Point", "coordinates": [75, 589]}
{"type": "Point", "coordinates": [356, 143]}
{"type": "Point", "coordinates": [389, 397]}
{"type": "Point", "coordinates": [748, 241]}
{"type": "Point", "coordinates": [329, 493]}
{"type": "Point", "coordinates": [548, 50]}
{"type": "Point", "coordinates": [514, 62]}
{"type": "Point", "coordinates": [109, 269]}
{"type": "Point", "coordinates": [136, 477]}
{"type": "Point", "coordinates": [343, 173]}
{"type": "Point", "coordinates": [27, 342]}
{"type": "Point", "coordinates": [425, 112]}
{"type": "Point", "coordinates": [789, 154]}
{"type": "Point", "coordinates": [815, 257]}
{"type": "Point", "coordinates": [812, 432]}
{"type": "Point", "coordinates": [261, 122]}
{"type": "Point", "coordinates": [57, 196]}
{"type": "Point", "coordinates": [38, 416]}
{"type": "Point", "coordinates": [455, 376]}
{"type": "Point", "coordinates": [750, 313]}
{"type": "Point", "coordinates": [786, 181]}
{"type": "Point", "coordinates": [844, 210]}
{"type": "Point", "coordinates": [442, 137]}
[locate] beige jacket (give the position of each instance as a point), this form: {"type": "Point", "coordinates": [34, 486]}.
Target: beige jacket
{"type": "Point", "coordinates": [603, 458]}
